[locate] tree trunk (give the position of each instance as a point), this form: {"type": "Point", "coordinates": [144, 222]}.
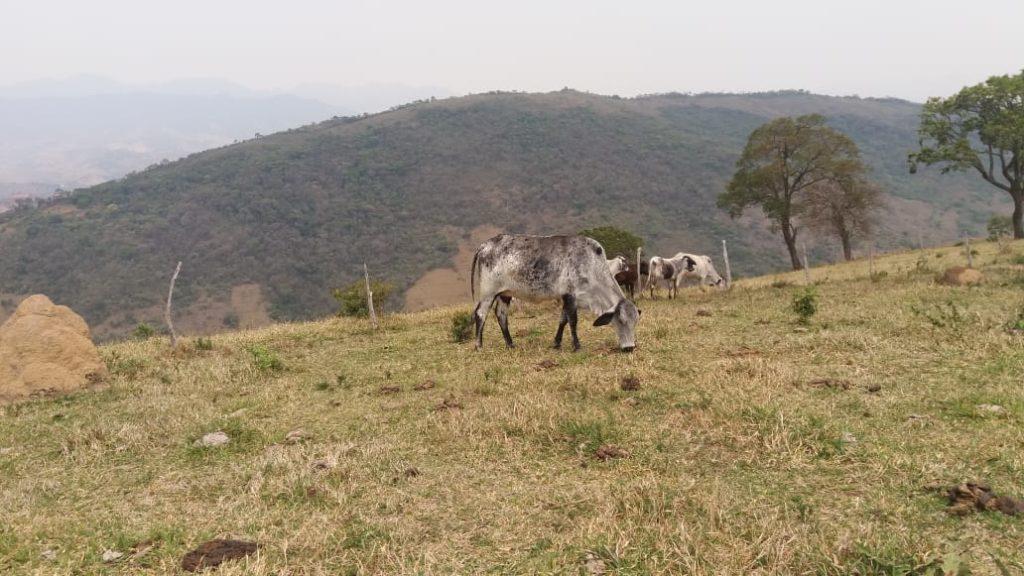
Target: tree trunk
{"type": "Point", "coordinates": [1018, 214]}
{"type": "Point", "coordinates": [844, 237]}
{"type": "Point", "coordinates": [789, 235]}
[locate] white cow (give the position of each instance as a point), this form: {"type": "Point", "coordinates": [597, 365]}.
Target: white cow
{"type": "Point", "coordinates": [617, 264]}
{"type": "Point", "coordinates": [570, 268]}
{"type": "Point", "coordinates": [672, 271]}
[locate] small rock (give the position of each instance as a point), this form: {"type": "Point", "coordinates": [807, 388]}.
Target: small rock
{"type": "Point", "coordinates": [631, 401]}
{"type": "Point", "coordinates": [112, 555]}
{"type": "Point", "coordinates": [214, 552]}
{"type": "Point", "coordinates": [703, 312]}
{"type": "Point", "coordinates": [630, 383]}
{"type": "Point", "coordinates": [48, 555]}
{"type": "Point", "coordinates": [547, 365]}
{"type": "Point", "coordinates": [390, 389]}
{"type": "Point", "coordinates": [874, 388]}
{"type": "Point", "coordinates": [448, 404]}
{"type": "Point", "coordinates": [425, 385]}
{"type": "Point", "coordinates": [991, 408]}
{"type": "Point", "coordinates": [595, 566]}
{"type": "Point", "coordinates": [848, 438]}
{"type": "Point", "coordinates": [323, 464]}
{"type": "Point", "coordinates": [212, 439]}
{"type": "Point", "coordinates": [296, 436]}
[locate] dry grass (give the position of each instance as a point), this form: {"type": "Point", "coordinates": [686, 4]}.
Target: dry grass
{"type": "Point", "coordinates": [735, 462]}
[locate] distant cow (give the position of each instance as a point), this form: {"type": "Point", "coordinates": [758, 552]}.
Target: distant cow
{"type": "Point", "coordinates": [672, 271]}
{"type": "Point", "coordinates": [570, 268]}
{"type": "Point", "coordinates": [617, 265]}
{"type": "Point", "coordinates": [631, 280]}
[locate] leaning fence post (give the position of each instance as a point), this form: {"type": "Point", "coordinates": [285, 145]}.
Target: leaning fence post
{"type": "Point", "coordinates": [167, 310]}
{"type": "Point", "coordinates": [369, 297]}
{"type": "Point", "coordinates": [967, 247]}
{"type": "Point", "coordinates": [728, 269]}
{"type": "Point", "coordinates": [871, 261]}
{"type": "Point", "coordinates": [637, 284]}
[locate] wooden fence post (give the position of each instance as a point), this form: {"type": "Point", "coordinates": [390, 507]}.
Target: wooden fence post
{"type": "Point", "coordinates": [728, 269]}
{"type": "Point", "coordinates": [639, 285]}
{"type": "Point", "coordinates": [167, 310]}
{"type": "Point", "coordinates": [369, 297]}
{"type": "Point", "coordinates": [967, 247]}
{"type": "Point", "coordinates": [807, 272]}
{"type": "Point", "coordinates": [871, 261]}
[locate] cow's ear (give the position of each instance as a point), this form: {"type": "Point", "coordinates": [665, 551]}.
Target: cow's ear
{"type": "Point", "coordinates": [604, 318]}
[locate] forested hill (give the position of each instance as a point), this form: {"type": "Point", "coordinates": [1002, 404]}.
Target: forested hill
{"type": "Point", "coordinates": [271, 225]}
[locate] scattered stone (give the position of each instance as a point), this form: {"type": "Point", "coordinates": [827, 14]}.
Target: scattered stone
{"type": "Point", "coordinates": [296, 436]}
{"type": "Point", "coordinates": [447, 404]}
{"type": "Point", "coordinates": [595, 566]}
{"type": "Point", "coordinates": [425, 385]}
{"type": "Point", "coordinates": [112, 556]}
{"type": "Point", "coordinates": [630, 383]}
{"type": "Point", "coordinates": [874, 388]}
{"type": "Point", "coordinates": [547, 365]}
{"type": "Point", "coordinates": [830, 383]}
{"type": "Point", "coordinates": [703, 312]}
{"type": "Point", "coordinates": [960, 276]}
{"type": "Point", "coordinates": [214, 552]}
{"type": "Point", "coordinates": [848, 438]}
{"type": "Point", "coordinates": [140, 549]}
{"type": "Point", "coordinates": [631, 401]}
{"type": "Point", "coordinates": [212, 439]}
{"type": "Point", "coordinates": [46, 349]}
{"type": "Point", "coordinates": [390, 389]}
{"type": "Point", "coordinates": [49, 555]}
{"type": "Point", "coordinates": [609, 451]}
{"type": "Point", "coordinates": [991, 408]}
{"type": "Point", "coordinates": [970, 497]}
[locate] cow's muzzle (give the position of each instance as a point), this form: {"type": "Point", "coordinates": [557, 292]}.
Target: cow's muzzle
{"type": "Point", "coordinates": [628, 348]}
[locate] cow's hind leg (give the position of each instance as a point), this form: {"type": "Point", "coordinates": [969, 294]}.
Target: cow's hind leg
{"type": "Point", "coordinates": [569, 303]}
{"type": "Point", "coordinates": [480, 317]}
{"type": "Point", "coordinates": [564, 320]}
{"type": "Point", "coordinates": [501, 313]}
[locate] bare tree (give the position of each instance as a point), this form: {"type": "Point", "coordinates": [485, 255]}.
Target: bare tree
{"type": "Point", "coordinates": [845, 207]}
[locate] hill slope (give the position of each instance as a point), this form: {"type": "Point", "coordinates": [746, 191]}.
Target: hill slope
{"type": "Point", "coordinates": [287, 217]}
{"type": "Point", "coordinates": [753, 445]}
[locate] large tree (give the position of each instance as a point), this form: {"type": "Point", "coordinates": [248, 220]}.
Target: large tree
{"type": "Point", "coordinates": [980, 128]}
{"type": "Point", "coordinates": [845, 208]}
{"type": "Point", "coordinates": [782, 160]}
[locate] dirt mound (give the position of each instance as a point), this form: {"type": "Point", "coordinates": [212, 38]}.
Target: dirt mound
{"type": "Point", "coordinates": [216, 552]}
{"type": "Point", "coordinates": [970, 497]}
{"type": "Point", "coordinates": [960, 276]}
{"type": "Point", "coordinates": [46, 349]}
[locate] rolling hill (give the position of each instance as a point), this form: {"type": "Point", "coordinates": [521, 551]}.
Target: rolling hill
{"type": "Point", "coordinates": [267, 227]}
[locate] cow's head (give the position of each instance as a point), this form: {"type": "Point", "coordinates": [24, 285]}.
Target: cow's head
{"type": "Point", "coordinates": [711, 276]}
{"type": "Point", "coordinates": [624, 317]}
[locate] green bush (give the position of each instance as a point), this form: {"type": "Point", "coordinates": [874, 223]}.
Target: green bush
{"type": "Point", "coordinates": [204, 344]}
{"type": "Point", "coordinates": [352, 298]}
{"type": "Point", "coordinates": [805, 304]}
{"type": "Point", "coordinates": [999, 227]}
{"type": "Point", "coordinates": [616, 241]}
{"type": "Point", "coordinates": [143, 332]}
{"type": "Point", "coordinates": [264, 358]}
{"type": "Point", "coordinates": [462, 326]}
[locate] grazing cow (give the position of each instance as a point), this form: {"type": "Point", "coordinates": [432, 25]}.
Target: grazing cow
{"type": "Point", "coordinates": [672, 273]}
{"type": "Point", "coordinates": [630, 280]}
{"type": "Point", "coordinates": [570, 268]}
{"type": "Point", "coordinates": [617, 265]}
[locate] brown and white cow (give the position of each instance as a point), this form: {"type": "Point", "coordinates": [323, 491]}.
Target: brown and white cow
{"type": "Point", "coordinates": [672, 271]}
{"type": "Point", "coordinates": [570, 268]}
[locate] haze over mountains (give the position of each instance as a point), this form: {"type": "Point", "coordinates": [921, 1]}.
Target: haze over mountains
{"type": "Point", "coordinates": [85, 130]}
{"type": "Point", "coordinates": [268, 227]}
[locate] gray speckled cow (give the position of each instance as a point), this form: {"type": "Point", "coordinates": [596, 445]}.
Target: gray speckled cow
{"type": "Point", "coordinates": [570, 268]}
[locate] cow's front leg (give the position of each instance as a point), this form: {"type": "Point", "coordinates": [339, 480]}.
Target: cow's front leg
{"type": "Point", "coordinates": [480, 318]}
{"type": "Point", "coordinates": [569, 304]}
{"type": "Point", "coordinates": [501, 313]}
{"type": "Point", "coordinates": [561, 326]}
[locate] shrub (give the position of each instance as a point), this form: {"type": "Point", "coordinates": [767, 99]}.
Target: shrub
{"type": "Point", "coordinates": [143, 332]}
{"type": "Point", "coordinates": [462, 326]}
{"type": "Point", "coordinates": [805, 304]}
{"type": "Point", "coordinates": [264, 358]}
{"type": "Point", "coordinates": [204, 344]}
{"type": "Point", "coordinates": [352, 298]}
{"type": "Point", "coordinates": [999, 227]}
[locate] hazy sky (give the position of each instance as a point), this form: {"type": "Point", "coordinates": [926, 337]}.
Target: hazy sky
{"type": "Point", "coordinates": [905, 48]}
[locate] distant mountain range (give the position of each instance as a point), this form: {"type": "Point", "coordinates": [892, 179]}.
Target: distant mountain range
{"type": "Point", "coordinates": [268, 226]}
{"type": "Point", "coordinates": [86, 130]}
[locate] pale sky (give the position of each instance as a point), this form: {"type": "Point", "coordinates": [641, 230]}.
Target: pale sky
{"type": "Point", "coordinates": [904, 48]}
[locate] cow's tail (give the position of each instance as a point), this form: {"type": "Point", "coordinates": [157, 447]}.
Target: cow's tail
{"type": "Point", "coordinates": [472, 276]}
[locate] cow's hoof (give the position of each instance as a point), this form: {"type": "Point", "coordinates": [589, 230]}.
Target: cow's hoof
{"type": "Point", "coordinates": [576, 348]}
{"type": "Point", "coordinates": [628, 349]}
{"type": "Point", "coordinates": [556, 346]}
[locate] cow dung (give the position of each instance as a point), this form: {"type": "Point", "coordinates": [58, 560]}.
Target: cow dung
{"type": "Point", "coordinates": [609, 451]}
{"type": "Point", "coordinates": [630, 383]}
{"type": "Point", "coordinates": [970, 497]}
{"type": "Point", "coordinates": [214, 552]}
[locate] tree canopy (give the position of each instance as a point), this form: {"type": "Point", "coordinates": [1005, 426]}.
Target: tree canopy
{"type": "Point", "coordinates": [616, 241]}
{"type": "Point", "coordinates": [782, 161]}
{"type": "Point", "coordinates": [844, 208]}
{"type": "Point", "coordinates": [980, 128]}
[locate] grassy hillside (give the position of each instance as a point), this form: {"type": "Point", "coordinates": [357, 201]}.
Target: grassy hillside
{"type": "Point", "coordinates": [754, 445]}
{"type": "Point", "coordinates": [296, 213]}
